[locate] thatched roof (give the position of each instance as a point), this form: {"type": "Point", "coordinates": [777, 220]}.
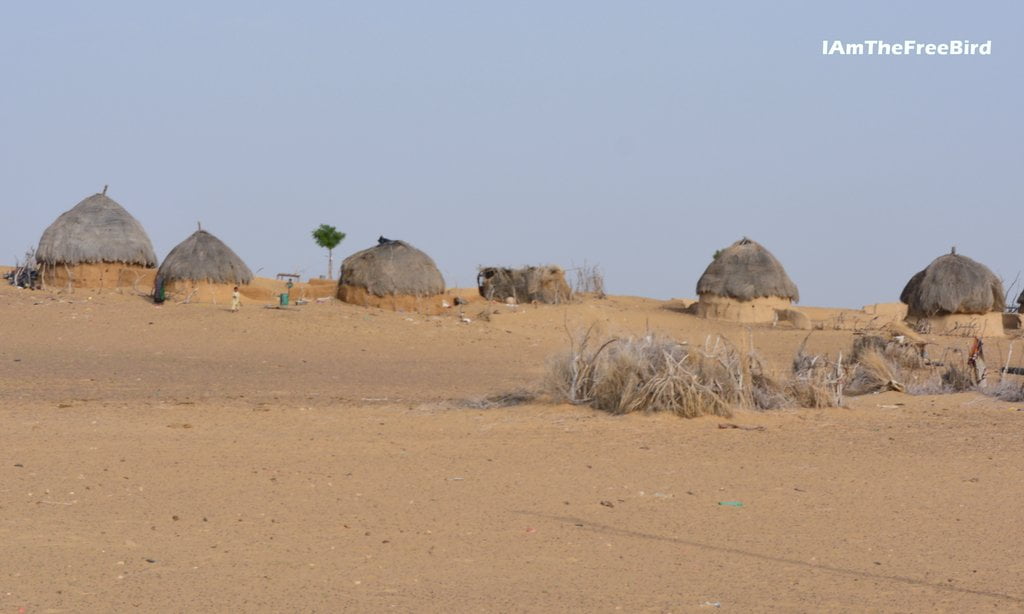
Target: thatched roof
{"type": "Point", "coordinates": [392, 267]}
{"type": "Point", "coordinates": [204, 257]}
{"type": "Point", "coordinates": [953, 284]}
{"type": "Point", "coordinates": [746, 270]}
{"type": "Point", "coordinates": [95, 230]}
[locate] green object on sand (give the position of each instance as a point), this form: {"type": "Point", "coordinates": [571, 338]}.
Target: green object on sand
{"type": "Point", "coordinates": [731, 503]}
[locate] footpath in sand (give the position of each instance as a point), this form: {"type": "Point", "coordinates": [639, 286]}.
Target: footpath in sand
{"type": "Point", "coordinates": [321, 459]}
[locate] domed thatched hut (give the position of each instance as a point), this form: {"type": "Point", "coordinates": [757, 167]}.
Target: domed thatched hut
{"type": "Point", "coordinates": [202, 267]}
{"type": "Point", "coordinates": [745, 283]}
{"type": "Point", "coordinates": [542, 284]}
{"type": "Point", "coordinates": [956, 295]}
{"type": "Point", "coordinates": [391, 274]}
{"type": "Point", "coordinates": [96, 244]}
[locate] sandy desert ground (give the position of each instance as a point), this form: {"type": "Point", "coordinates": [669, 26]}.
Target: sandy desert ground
{"type": "Point", "coordinates": [322, 459]}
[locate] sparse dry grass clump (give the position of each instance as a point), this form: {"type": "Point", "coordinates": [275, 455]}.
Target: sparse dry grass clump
{"type": "Point", "coordinates": [817, 381]}
{"type": "Point", "coordinates": [657, 374]}
{"type": "Point", "coordinates": [1011, 392]}
{"type": "Point", "coordinates": [957, 379]}
{"type": "Point", "coordinates": [588, 279]}
{"type": "Point", "coordinates": [874, 371]}
{"type": "Point", "coordinates": [642, 374]}
{"type": "Point", "coordinates": [867, 343]}
{"type": "Point", "coordinates": [505, 399]}
{"type": "Point", "coordinates": [879, 364]}
{"type": "Point", "coordinates": [942, 378]}
{"type": "Point", "coordinates": [902, 355]}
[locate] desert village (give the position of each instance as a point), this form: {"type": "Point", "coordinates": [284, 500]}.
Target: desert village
{"type": "Point", "coordinates": [383, 441]}
{"type": "Point", "coordinates": [98, 245]}
{"type": "Point", "coordinates": [511, 307]}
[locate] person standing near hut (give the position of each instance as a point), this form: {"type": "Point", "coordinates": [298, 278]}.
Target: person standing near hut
{"type": "Point", "coordinates": [159, 291]}
{"type": "Point", "coordinates": [236, 300]}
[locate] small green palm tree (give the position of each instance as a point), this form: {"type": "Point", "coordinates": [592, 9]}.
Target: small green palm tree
{"type": "Point", "coordinates": [328, 237]}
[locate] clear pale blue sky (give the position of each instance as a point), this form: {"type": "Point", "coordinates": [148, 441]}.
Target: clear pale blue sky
{"type": "Point", "coordinates": [640, 136]}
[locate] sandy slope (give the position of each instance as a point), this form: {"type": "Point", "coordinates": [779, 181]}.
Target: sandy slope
{"type": "Point", "coordinates": [185, 458]}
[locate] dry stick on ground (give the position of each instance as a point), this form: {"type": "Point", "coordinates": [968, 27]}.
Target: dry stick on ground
{"type": "Point", "coordinates": [839, 377]}
{"type": "Point", "coordinates": [652, 373]}
{"type": "Point", "coordinates": [580, 385]}
{"type": "Point", "coordinates": [817, 382]}
{"type": "Point", "coordinates": [729, 425]}
{"type": "Point", "coordinates": [589, 280]}
{"type": "Point", "coordinates": [1009, 354]}
{"type": "Point", "coordinates": [583, 373]}
{"type": "Point", "coordinates": [67, 271]}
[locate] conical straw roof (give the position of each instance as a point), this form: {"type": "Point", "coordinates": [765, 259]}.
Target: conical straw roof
{"type": "Point", "coordinates": [746, 270]}
{"type": "Point", "coordinates": [96, 230]}
{"type": "Point", "coordinates": [203, 256]}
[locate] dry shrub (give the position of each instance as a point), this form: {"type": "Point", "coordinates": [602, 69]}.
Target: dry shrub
{"type": "Point", "coordinates": [957, 379]}
{"type": "Point", "coordinates": [907, 356]}
{"type": "Point", "coordinates": [930, 386]}
{"type": "Point", "coordinates": [947, 381]}
{"type": "Point", "coordinates": [767, 393]}
{"type": "Point", "coordinates": [652, 373]}
{"type": "Point", "coordinates": [874, 372]}
{"type": "Point", "coordinates": [649, 375]}
{"type": "Point", "coordinates": [646, 374]}
{"type": "Point", "coordinates": [817, 381]}
{"type": "Point", "coordinates": [656, 374]}
{"type": "Point", "coordinates": [589, 279]}
{"type": "Point", "coordinates": [879, 364]}
{"type": "Point", "coordinates": [1011, 392]}
{"type": "Point", "coordinates": [867, 343]}
{"type": "Point", "coordinates": [902, 355]}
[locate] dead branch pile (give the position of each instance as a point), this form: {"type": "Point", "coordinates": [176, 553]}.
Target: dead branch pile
{"type": "Point", "coordinates": [879, 364]}
{"type": "Point", "coordinates": [25, 273]}
{"type": "Point", "coordinates": [659, 374]}
{"type": "Point", "coordinates": [655, 374]}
